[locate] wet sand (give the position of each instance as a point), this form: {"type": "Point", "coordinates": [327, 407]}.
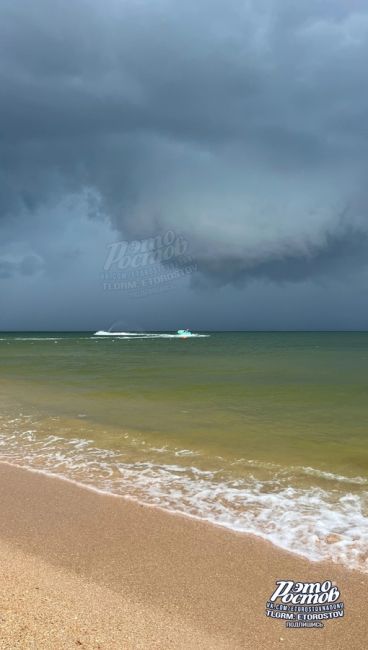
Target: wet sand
{"type": "Point", "coordinates": [81, 569]}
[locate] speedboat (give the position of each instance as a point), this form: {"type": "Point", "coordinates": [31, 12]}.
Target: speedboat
{"type": "Point", "coordinates": [184, 334]}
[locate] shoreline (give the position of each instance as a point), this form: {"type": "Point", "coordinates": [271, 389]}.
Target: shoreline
{"type": "Point", "coordinates": [176, 513]}
{"type": "Point", "coordinates": [166, 580]}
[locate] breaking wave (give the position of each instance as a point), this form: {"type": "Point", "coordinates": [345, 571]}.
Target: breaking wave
{"type": "Point", "coordinates": [314, 513]}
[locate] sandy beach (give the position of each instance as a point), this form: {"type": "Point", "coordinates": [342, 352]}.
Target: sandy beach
{"type": "Point", "coordinates": [81, 569]}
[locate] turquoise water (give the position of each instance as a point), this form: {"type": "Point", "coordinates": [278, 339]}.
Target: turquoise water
{"type": "Point", "coordinates": [261, 432]}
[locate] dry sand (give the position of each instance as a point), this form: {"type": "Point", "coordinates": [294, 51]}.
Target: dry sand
{"type": "Point", "coordinates": [84, 570]}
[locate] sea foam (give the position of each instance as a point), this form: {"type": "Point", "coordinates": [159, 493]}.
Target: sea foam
{"type": "Point", "coordinates": [323, 519]}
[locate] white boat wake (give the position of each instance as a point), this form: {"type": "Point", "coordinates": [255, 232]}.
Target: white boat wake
{"type": "Point", "coordinates": [181, 334]}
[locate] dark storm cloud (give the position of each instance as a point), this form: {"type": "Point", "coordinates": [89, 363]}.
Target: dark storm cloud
{"type": "Point", "coordinates": [242, 125]}
{"type": "Point", "coordinates": [340, 254]}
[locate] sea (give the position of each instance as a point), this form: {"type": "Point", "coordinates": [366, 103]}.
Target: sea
{"type": "Point", "coordinates": [260, 432]}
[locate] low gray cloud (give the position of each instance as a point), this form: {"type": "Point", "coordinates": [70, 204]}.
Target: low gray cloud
{"type": "Point", "coordinates": [28, 265]}
{"type": "Point", "coordinates": [341, 254]}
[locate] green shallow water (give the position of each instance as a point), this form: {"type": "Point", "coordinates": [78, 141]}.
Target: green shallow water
{"type": "Point", "coordinates": [290, 398]}
{"type": "Point", "coordinates": [260, 432]}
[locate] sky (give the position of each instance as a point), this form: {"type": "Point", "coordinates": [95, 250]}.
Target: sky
{"type": "Point", "coordinates": [199, 164]}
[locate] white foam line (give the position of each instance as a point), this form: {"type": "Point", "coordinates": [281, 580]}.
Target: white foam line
{"type": "Point", "coordinates": [300, 469]}
{"type": "Point", "coordinates": [174, 512]}
{"type": "Point", "coordinates": [310, 471]}
{"type": "Point", "coordinates": [217, 518]}
{"type": "Point", "coordinates": [28, 338]}
{"type": "Point", "coordinates": [170, 511]}
{"type": "Point", "coordinates": [308, 520]}
{"type": "Point", "coordinates": [123, 497]}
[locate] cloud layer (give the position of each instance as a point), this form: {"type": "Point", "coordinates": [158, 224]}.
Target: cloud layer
{"type": "Point", "coordinates": [243, 126]}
